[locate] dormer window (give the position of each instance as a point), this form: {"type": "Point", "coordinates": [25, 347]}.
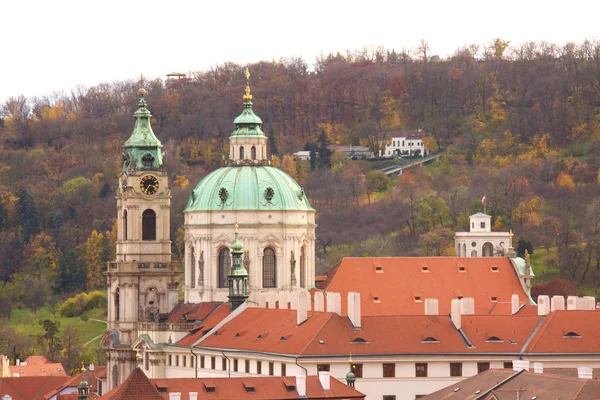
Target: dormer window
{"type": "Point", "coordinates": [493, 298]}
{"type": "Point", "coordinates": [375, 296]}
{"type": "Point", "coordinates": [359, 340]}
{"type": "Point", "coordinates": [494, 268]}
{"type": "Point", "coordinates": [430, 339]}
{"type": "Point", "coordinates": [572, 335]}
{"type": "Point", "coordinates": [461, 268]}
{"type": "Point", "coordinates": [494, 339]}
{"type": "Point", "coordinates": [417, 297]}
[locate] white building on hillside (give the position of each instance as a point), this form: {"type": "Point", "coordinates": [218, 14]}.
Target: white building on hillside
{"type": "Point", "coordinates": [406, 144]}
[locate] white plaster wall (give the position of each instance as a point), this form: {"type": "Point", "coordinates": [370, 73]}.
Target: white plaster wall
{"type": "Point", "coordinates": [284, 231]}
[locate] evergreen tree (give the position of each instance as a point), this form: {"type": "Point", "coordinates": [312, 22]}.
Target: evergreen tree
{"type": "Point", "coordinates": [71, 273]}
{"type": "Point", "coordinates": [27, 215]}
{"type": "Point", "coordinates": [324, 152]}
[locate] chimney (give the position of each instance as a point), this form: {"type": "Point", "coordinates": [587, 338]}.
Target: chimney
{"type": "Point", "coordinates": [572, 303]}
{"type": "Point", "coordinates": [175, 396]}
{"type": "Point", "coordinates": [514, 304]}
{"type": "Point", "coordinates": [334, 303]}
{"type": "Point", "coordinates": [319, 301]}
{"type": "Point", "coordinates": [283, 300]}
{"type": "Point", "coordinates": [91, 367]}
{"type": "Point", "coordinates": [584, 373]}
{"type": "Point", "coordinates": [354, 309]}
{"type": "Point", "coordinates": [520, 364]}
{"type": "Point", "coordinates": [193, 395]}
{"type": "Point", "coordinates": [543, 305]}
{"type": "Point", "coordinates": [467, 306]}
{"type": "Point", "coordinates": [455, 313]}
{"type": "Point", "coordinates": [294, 300]}
{"type": "Point", "coordinates": [302, 307]}
{"type": "Point", "coordinates": [301, 385]}
{"type": "Point", "coordinates": [538, 368]}
{"type": "Point", "coordinates": [325, 380]}
{"type": "Point", "coordinates": [557, 303]}
{"type": "Point", "coordinates": [591, 303]}
{"type": "Point", "coordinates": [432, 307]}
{"type": "Point", "coordinates": [18, 362]}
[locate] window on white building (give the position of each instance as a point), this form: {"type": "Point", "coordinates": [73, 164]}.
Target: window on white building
{"type": "Point", "coordinates": [455, 369]}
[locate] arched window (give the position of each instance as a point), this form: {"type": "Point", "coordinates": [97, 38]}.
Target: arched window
{"type": "Point", "coordinates": [464, 252]}
{"type": "Point", "coordinates": [192, 267]}
{"type": "Point", "coordinates": [115, 376]}
{"type": "Point", "coordinates": [253, 153]}
{"type": "Point", "coordinates": [125, 225]}
{"type": "Point", "coordinates": [269, 268]}
{"type": "Point", "coordinates": [224, 267]}
{"type": "Point", "coordinates": [149, 225]}
{"type": "Point", "coordinates": [303, 266]}
{"type": "Point", "coordinates": [241, 152]}
{"type": "Point", "coordinates": [117, 305]}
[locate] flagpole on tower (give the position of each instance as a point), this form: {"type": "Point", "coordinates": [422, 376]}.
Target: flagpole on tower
{"type": "Point", "coordinates": [484, 205]}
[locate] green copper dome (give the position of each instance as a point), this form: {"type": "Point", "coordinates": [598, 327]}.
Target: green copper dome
{"type": "Point", "coordinates": [248, 188]}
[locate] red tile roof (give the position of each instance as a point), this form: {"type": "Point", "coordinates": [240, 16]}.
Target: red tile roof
{"type": "Point", "coordinates": [275, 387]}
{"type": "Point", "coordinates": [36, 360]}
{"type": "Point", "coordinates": [430, 277]}
{"type": "Point", "coordinates": [30, 387]}
{"type": "Point", "coordinates": [499, 333]}
{"type": "Point", "coordinates": [567, 332]}
{"type": "Point", "coordinates": [192, 311]}
{"type": "Point", "coordinates": [210, 322]}
{"type": "Point", "coordinates": [324, 333]}
{"type": "Point", "coordinates": [507, 384]}
{"type": "Point", "coordinates": [411, 135]}
{"type": "Point", "coordinates": [89, 376]}
{"type": "Point", "coordinates": [136, 386]}
{"type": "Point", "coordinates": [54, 369]}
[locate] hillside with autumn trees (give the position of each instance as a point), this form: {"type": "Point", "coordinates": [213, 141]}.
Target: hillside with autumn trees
{"type": "Point", "coordinates": [520, 124]}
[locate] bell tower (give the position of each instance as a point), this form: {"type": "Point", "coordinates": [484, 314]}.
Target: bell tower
{"type": "Point", "coordinates": [142, 281]}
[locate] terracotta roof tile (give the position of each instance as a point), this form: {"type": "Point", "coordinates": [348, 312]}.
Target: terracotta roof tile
{"type": "Point", "coordinates": [36, 360]}
{"type": "Point", "coordinates": [54, 369]}
{"type": "Point", "coordinates": [264, 388]}
{"type": "Point", "coordinates": [89, 376]}
{"type": "Point", "coordinates": [30, 387]}
{"type": "Point", "coordinates": [192, 311]}
{"type": "Point", "coordinates": [570, 331]}
{"type": "Point", "coordinates": [210, 322]}
{"type": "Point", "coordinates": [402, 276]}
{"type": "Point", "coordinates": [508, 384]}
{"type": "Point", "coordinates": [136, 386]}
{"type": "Point", "coordinates": [499, 333]}
{"type": "Point", "coordinates": [326, 333]}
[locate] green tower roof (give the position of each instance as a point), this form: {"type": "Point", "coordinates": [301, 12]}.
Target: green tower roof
{"type": "Point", "coordinates": [247, 124]}
{"type": "Point", "coordinates": [143, 151]}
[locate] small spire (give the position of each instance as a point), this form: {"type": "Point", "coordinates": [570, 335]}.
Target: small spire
{"type": "Point", "coordinates": [247, 96]}
{"type": "Point", "coordinates": [82, 366]}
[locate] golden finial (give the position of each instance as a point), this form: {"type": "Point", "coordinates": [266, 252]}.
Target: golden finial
{"type": "Point", "coordinates": [142, 92]}
{"type": "Point", "coordinates": [82, 367]}
{"type": "Point", "coordinates": [511, 234]}
{"type": "Point", "coordinates": [236, 226]}
{"type": "Point", "coordinates": [247, 96]}
{"type": "Point", "coordinates": [137, 356]}
{"type": "Point", "coordinates": [350, 359]}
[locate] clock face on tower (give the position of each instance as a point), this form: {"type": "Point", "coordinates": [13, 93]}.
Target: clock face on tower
{"type": "Point", "coordinates": [149, 185]}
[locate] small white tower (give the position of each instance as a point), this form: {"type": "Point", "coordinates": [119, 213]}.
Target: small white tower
{"type": "Point", "coordinates": [480, 241]}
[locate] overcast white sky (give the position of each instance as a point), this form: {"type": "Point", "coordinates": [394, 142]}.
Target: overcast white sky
{"type": "Point", "coordinates": [56, 45]}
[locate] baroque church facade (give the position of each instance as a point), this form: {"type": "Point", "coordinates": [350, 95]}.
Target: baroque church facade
{"type": "Point", "coordinates": [246, 204]}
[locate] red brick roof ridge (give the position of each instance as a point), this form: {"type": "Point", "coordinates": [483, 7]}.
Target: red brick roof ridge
{"type": "Point", "coordinates": [309, 342]}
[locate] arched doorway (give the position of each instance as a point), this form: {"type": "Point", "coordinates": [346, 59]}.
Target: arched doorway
{"type": "Point", "coordinates": [487, 250]}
